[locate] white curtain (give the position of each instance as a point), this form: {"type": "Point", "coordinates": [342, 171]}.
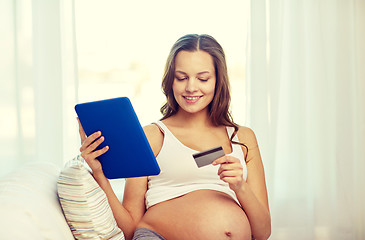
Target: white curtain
{"type": "Point", "coordinates": [38, 82]}
{"type": "Point", "coordinates": [306, 87]}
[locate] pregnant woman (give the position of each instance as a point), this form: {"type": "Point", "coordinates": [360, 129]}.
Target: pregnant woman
{"type": "Point", "coordinates": [224, 200]}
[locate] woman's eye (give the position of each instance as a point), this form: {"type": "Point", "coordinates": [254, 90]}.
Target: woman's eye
{"type": "Point", "coordinates": [203, 79]}
{"type": "Point", "coordinates": [181, 79]}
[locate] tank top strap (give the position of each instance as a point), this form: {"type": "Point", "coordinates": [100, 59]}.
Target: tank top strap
{"type": "Point", "coordinates": [230, 131]}
{"type": "Point", "coordinates": [236, 148]}
{"type": "Point", "coordinates": [162, 127]}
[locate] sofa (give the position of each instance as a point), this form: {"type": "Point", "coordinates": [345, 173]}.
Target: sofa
{"type": "Point", "coordinates": [30, 206]}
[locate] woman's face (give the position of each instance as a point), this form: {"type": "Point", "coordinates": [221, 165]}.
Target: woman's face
{"type": "Point", "coordinates": [194, 82]}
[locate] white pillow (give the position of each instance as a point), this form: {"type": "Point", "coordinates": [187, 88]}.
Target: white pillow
{"type": "Point", "coordinates": [29, 206]}
{"type": "Point", "coordinates": [85, 204]}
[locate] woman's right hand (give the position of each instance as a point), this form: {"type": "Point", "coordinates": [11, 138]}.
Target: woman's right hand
{"type": "Point", "coordinates": [88, 146]}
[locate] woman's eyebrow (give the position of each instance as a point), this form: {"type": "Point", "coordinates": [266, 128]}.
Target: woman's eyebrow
{"type": "Point", "coordinates": [204, 72]}
{"type": "Point", "coordinates": [199, 73]}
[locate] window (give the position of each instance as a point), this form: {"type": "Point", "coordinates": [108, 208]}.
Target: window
{"type": "Point", "coordinates": [123, 45]}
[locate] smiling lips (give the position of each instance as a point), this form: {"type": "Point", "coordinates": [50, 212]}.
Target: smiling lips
{"type": "Point", "coordinates": [192, 99]}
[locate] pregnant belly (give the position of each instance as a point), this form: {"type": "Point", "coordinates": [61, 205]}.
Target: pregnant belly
{"type": "Point", "coordinates": [200, 215]}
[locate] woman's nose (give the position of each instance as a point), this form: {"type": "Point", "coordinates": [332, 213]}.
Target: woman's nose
{"type": "Point", "coordinates": [191, 85]}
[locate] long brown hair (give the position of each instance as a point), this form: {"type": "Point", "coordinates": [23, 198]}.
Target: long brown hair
{"type": "Point", "coordinates": [219, 112]}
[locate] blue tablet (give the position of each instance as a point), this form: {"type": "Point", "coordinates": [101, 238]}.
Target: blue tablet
{"type": "Point", "coordinates": [129, 154]}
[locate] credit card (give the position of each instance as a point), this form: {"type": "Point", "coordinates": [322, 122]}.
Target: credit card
{"type": "Point", "coordinates": [208, 156]}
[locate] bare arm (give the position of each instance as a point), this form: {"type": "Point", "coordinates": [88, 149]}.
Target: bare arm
{"type": "Point", "coordinates": [135, 188]}
{"type": "Point", "coordinates": [252, 193]}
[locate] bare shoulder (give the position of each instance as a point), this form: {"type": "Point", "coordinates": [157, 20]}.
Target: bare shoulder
{"type": "Point", "coordinates": [247, 136]}
{"type": "Point", "coordinates": [154, 137]}
{"type": "Point", "coordinates": [151, 129]}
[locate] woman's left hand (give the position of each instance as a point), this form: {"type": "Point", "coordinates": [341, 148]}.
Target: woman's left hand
{"type": "Point", "coordinates": [230, 171]}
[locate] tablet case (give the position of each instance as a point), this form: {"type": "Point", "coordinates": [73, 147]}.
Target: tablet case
{"type": "Point", "coordinates": [129, 154]}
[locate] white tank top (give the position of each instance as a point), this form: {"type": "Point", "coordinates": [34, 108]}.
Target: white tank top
{"type": "Point", "coordinates": [179, 173]}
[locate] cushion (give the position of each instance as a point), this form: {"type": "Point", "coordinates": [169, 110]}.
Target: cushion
{"type": "Point", "coordinates": [85, 204]}
{"type": "Point", "coordinates": [29, 206]}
